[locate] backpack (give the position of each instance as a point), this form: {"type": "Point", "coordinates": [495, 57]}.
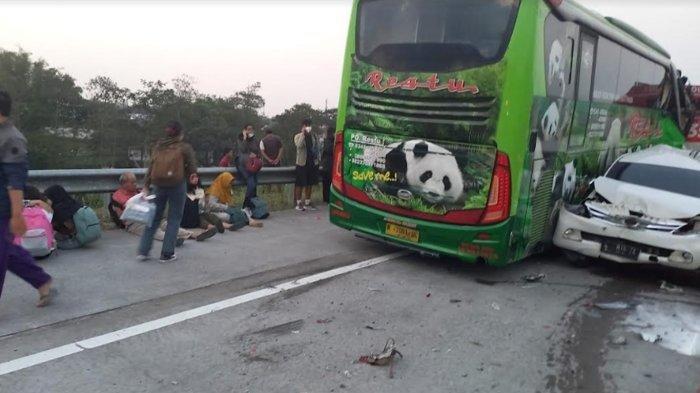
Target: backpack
{"type": "Point", "coordinates": [259, 210]}
{"type": "Point", "coordinates": [111, 207]}
{"type": "Point", "coordinates": [253, 165]}
{"type": "Point", "coordinates": [87, 226]}
{"type": "Point", "coordinates": [168, 167]}
{"type": "Point", "coordinates": [38, 240]}
{"type": "Point", "coordinates": [238, 219]}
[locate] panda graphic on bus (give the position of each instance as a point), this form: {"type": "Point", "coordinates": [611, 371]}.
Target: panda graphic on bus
{"type": "Point", "coordinates": [424, 169]}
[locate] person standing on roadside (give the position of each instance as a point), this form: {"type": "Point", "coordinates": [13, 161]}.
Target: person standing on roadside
{"type": "Point", "coordinates": [247, 149]}
{"type": "Point", "coordinates": [227, 159]}
{"type": "Point", "coordinates": [271, 149]}
{"type": "Point", "coordinates": [327, 162]}
{"type": "Point", "coordinates": [13, 177]}
{"type": "Point", "coordinates": [307, 160]}
{"type": "Point", "coordinates": [173, 164]}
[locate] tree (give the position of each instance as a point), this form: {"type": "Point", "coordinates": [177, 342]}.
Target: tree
{"type": "Point", "coordinates": [99, 127]}
{"type": "Point", "coordinates": [288, 124]}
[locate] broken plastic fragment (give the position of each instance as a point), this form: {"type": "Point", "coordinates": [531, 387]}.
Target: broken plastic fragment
{"type": "Point", "coordinates": [534, 277]}
{"type": "Point", "coordinates": [650, 337]}
{"type": "Point", "coordinates": [670, 288]}
{"type": "Point", "coordinates": [384, 358]}
{"type": "Point", "coordinates": [613, 306]}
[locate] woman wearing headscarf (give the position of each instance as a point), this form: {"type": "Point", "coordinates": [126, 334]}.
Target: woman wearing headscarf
{"type": "Point", "coordinates": [220, 198]}
{"type": "Point", "coordinates": [64, 207]}
{"type": "Point", "coordinates": [75, 225]}
{"type": "Point", "coordinates": [195, 218]}
{"type": "Point", "coordinates": [38, 199]}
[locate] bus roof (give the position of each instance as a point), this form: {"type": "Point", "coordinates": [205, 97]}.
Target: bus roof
{"type": "Point", "coordinates": [614, 29]}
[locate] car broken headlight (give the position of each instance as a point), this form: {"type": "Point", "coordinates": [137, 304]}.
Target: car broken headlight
{"type": "Point", "coordinates": [579, 210]}
{"type": "Point", "coordinates": [692, 228]}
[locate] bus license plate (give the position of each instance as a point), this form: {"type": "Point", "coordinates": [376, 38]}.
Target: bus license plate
{"type": "Point", "coordinates": [404, 233]}
{"type": "Point", "coordinates": [620, 249]}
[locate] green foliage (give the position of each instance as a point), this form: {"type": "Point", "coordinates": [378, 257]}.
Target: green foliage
{"type": "Point", "coordinates": [287, 124]}
{"type": "Point", "coordinates": [107, 125]}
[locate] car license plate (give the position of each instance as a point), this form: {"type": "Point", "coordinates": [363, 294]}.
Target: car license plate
{"type": "Point", "coordinates": [621, 249]}
{"type": "Point", "coordinates": [404, 233]}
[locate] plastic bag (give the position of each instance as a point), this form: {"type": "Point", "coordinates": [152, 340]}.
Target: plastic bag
{"type": "Point", "coordinates": [139, 209]}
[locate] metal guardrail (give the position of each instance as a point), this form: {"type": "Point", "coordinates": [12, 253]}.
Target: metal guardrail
{"type": "Point", "coordinates": [96, 181]}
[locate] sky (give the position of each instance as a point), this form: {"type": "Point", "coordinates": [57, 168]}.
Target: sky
{"type": "Point", "coordinates": [294, 48]}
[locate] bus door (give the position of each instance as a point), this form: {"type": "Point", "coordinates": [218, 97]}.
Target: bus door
{"type": "Point", "coordinates": [581, 118]}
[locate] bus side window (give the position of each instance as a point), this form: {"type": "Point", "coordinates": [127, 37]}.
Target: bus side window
{"type": "Point", "coordinates": [586, 66]}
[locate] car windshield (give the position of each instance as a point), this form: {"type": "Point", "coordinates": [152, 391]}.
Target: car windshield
{"type": "Point", "coordinates": [434, 35]}
{"type": "Point", "coordinates": [677, 180]}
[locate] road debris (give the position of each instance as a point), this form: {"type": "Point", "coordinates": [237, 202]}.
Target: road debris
{"type": "Point", "coordinates": [455, 301]}
{"type": "Point", "coordinates": [370, 327]}
{"type": "Point", "coordinates": [672, 326]}
{"type": "Point", "coordinates": [495, 306]}
{"type": "Point", "coordinates": [670, 288]}
{"type": "Point", "coordinates": [619, 340]}
{"type": "Point", "coordinates": [384, 358]}
{"type": "Point", "coordinates": [324, 321]}
{"type": "Point", "coordinates": [613, 306]}
{"type": "Point", "coordinates": [651, 338]}
{"type": "Point", "coordinates": [534, 277]}
{"type": "Point", "coordinates": [427, 294]}
{"type": "Point", "coordinates": [485, 281]}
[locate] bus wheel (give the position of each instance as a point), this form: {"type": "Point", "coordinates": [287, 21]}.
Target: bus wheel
{"type": "Point", "coordinates": [577, 260]}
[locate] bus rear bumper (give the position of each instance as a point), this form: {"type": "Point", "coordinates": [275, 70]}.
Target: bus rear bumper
{"type": "Point", "coordinates": [489, 244]}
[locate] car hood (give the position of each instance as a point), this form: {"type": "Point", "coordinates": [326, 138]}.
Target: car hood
{"type": "Point", "coordinates": [648, 201]}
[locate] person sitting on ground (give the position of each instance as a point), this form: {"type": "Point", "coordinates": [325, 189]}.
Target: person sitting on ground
{"type": "Point", "coordinates": [227, 160]}
{"type": "Point", "coordinates": [220, 198]}
{"type": "Point", "coordinates": [66, 211]}
{"type": "Point", "coordinates": [37, 198]}
{"type": "Point", "coordinates": [195, 217]}
{"type": "Point", "coordinates": [128, 188]}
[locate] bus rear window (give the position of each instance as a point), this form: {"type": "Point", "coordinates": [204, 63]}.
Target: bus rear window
{"type": "Point", "coordinates": [434, 35]}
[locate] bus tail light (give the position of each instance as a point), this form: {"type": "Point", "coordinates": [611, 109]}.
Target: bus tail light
{"type": "Point", "coordinates": [498, 207]}
{"type": "Point", "coordinates": [337, 179]}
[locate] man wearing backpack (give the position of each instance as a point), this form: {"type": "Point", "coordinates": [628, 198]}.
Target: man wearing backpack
{"type": "Point", "coordinates": [13, 176]}
{"type": "Point", "coordinates": [172, 163]}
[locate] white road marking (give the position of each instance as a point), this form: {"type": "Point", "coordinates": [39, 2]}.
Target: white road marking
{"type": "Point", "coordinates": [118, 335]}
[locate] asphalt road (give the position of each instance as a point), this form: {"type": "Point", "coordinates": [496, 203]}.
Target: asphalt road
{"type": "Point", "coordinates": [460, 328]}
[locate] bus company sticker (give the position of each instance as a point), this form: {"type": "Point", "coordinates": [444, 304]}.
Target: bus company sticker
{"type": "Point", "coordinates": [418, 174]}
{"type": "Point", "coordinates": [641, 127]}
{"type": "Point", "coordinates": [381, 83]}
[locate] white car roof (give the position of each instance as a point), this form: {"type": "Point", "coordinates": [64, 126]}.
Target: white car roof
{"type": "Point", "coordinates": [663, 155]}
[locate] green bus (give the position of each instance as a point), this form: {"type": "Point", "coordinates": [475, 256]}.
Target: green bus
{"type": "Point", "coordinates": [465, 124]}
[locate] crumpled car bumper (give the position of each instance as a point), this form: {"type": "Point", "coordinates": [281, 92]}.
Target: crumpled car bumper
{"type": "Point", "coordinates": [587, 235]}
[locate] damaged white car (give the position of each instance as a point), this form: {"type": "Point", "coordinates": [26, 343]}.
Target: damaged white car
{"type": "Point", "coordinates": [646, 209]}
